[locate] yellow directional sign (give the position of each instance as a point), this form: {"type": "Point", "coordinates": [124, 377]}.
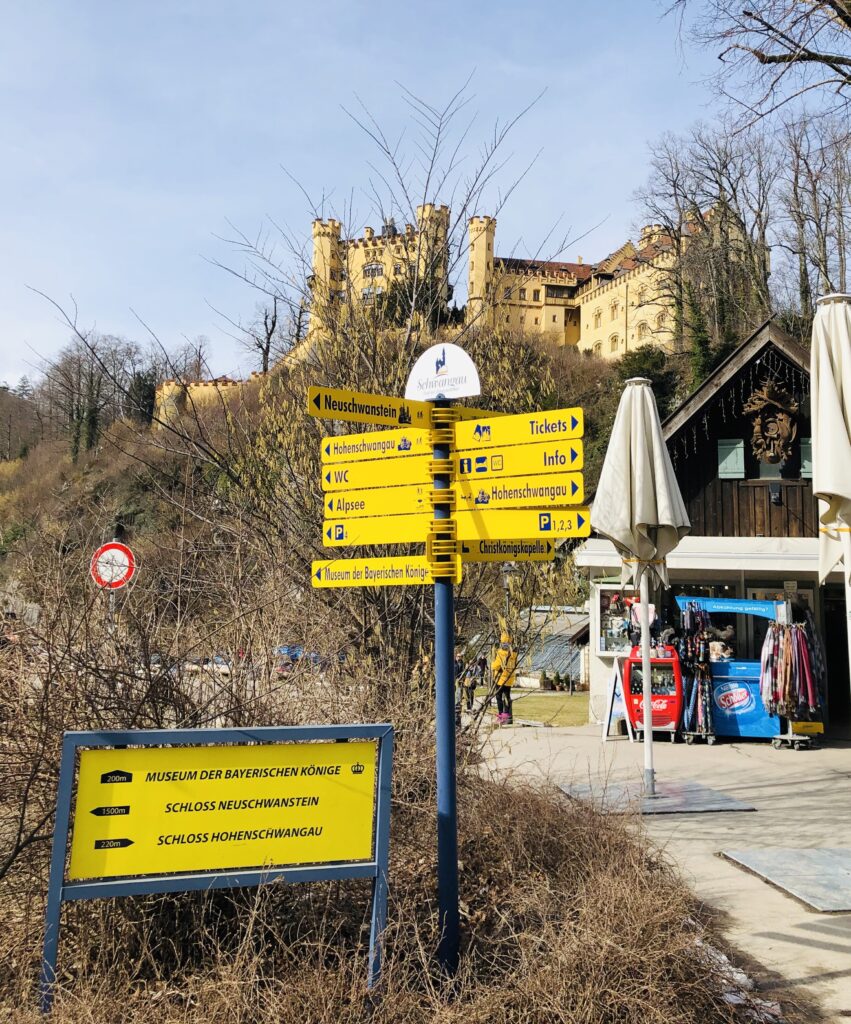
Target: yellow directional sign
{"type": "Point", "coordinates": [158, 810]}
{"type": "Point", "coordinates": [520, 460]}
{"type": "Point", "coordinates": [507, 550]}
{"type": "Point", "coordinates": [378, 444]}
{"type": "Point", "coordinates": [362, 407]}
{"type": "Point", "coordinates": [507, 524]}
{"type": "Point", "coordinates": [404, 529]}
{"type": "Point", "coordinates": [546, 491]}
{"type": "Point", "coordinates": [405, 571]}
{"type": "Point", "coordinates": [527, 428]}
{"type": "Point", "coordinates": [413, 470]}
{"type": "Point", "coordinates": [385, 501]}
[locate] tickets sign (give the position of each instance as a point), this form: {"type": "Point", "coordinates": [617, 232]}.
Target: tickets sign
{"type": "Point", "coordinates": [160, 810]}
{"type": "Point", "coordinates": [527, 428]}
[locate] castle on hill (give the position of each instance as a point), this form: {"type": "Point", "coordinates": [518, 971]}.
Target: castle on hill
{"type": "Point", "coordinates": [609, 308]}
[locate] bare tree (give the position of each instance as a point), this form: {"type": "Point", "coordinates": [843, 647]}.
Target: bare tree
{"type": "Point", "coordinates": [781, 50]}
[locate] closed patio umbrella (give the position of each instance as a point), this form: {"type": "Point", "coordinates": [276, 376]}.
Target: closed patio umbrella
{"type": "Point", "coordinates": [638, 506]}
{"type": "Point", "coordinates": [830, 390]}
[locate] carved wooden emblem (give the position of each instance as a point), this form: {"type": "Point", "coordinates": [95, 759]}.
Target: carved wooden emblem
{"type": "Point", "coordinates": [773, 413]}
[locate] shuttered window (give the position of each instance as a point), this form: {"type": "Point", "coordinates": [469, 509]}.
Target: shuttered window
{"type": "Point", "coordinates": [731, 459]}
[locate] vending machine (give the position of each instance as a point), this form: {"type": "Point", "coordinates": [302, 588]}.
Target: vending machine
{"type": "Point", "coordinates": [666, 687]}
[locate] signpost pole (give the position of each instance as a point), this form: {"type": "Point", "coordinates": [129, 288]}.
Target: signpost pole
{"type": "Point", "coordinates": [447, 805]}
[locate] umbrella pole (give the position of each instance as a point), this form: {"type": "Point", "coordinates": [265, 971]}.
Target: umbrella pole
{"type": "Point", "coordinates": [846, 572]}
{"type": "Point", "coordinates": [647, 715]}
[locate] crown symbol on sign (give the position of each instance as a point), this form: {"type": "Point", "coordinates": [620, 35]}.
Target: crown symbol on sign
{"type": "Point", "coordinates": [357, 768]}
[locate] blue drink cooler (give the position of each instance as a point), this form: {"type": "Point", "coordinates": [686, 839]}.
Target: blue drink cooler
{"type": "Point", "coordinates": [737, 707]}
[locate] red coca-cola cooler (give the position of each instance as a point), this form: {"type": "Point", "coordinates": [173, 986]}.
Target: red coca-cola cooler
{"type": "Point", "coordinates": [666, 686]}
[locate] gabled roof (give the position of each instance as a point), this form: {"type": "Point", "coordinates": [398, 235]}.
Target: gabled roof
{"type": "Point", "coordinates": [769, 334]}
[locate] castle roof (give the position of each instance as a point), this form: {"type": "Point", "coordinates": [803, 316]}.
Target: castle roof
{"type": "Point", "coordinates": [552, 268]}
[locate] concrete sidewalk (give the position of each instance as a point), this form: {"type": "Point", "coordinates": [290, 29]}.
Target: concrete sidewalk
{"type": "Point", "coordinates": [801, 800]}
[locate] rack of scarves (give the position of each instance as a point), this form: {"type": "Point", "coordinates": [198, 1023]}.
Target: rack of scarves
{"type": "Point", "coordinates": [792, 671]}
{"type": "Point", "coordinates": [693, 651]}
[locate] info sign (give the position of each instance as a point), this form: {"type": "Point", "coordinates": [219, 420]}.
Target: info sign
{"type": "Point", "coordinates": [179, 810]}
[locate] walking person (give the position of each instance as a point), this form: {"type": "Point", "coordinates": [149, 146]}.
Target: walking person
{"type": "Point", "coordinates": [504, 669]}
{"type": "Point", "coordinates": [459, 686]}
{"type": "Point", "coordinates": [474, 677]}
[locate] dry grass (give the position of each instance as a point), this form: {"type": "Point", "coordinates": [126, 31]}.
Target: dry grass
{"type": "Point", "coordinates": [567, 917]}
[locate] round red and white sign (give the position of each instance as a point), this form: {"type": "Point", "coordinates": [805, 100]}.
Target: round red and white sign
{"type": "Point", "coordinates": [113, 565]}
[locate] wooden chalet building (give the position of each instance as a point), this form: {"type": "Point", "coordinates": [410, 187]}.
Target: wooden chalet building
{"type": "Point", "coordinates": [741, 450]}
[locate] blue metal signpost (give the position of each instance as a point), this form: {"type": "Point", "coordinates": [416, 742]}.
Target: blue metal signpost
{"type": "Point", "coordinates": [447, 804]}
{"type": "Point", "coordinates": [60, 890]}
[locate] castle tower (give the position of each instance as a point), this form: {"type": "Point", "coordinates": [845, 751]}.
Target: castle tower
{"type": "Point", "coordinates": [433, 227]}
{"type": "Point", "coordinates": [325, 284]}
{"type": "Point", "coordinates": [481, 274]}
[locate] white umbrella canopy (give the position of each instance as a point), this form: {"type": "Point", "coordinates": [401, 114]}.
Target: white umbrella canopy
{"type": "Point", "coordinates": [638, 506]}
{"type": "Point", "coordinates": [830, 390]}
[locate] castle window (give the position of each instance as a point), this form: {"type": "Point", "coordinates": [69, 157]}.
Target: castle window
{"type": "Point", "coordinates": [642, 296]}
{"type": "Point", "coordinates": [522, 293]}
{"type": "Point", "coordinates": [536, 296]}
{"type": "Point", "coordinates": [614, 309]}
{"type": "Point", "coordinates": [373, 270]}
{"type": "Point", "coordinates": [342, 275]}
{"type": "Point", "coordinates": [598, 318]}
{"type": "Point", "coordinates": [506, 293]}
{"type": "Point", "coordinates": [367, 294]}
{"type": "Point", "coordinates": [555, 318]}
{"type": "Point", "coordinates": [536, 319]}
{"type": "Point", "coordinates": [614, 343]}
{"type": "Point", "coordinates": [397, 268]}
{"type": "Point", "coordinates": [642, 330]}
{"type": "Point", "coordinates": [598, 349]}
{"type": "Point", "coordinates": [660, 320]}
{"type": "Point", "coordinates": [507, 319]}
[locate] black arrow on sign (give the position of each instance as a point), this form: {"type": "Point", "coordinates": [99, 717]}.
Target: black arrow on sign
{"type": "Point", "coordinates": [112, 844]}
{"type": "Point", "coordinates": [110, 812]}
{"type": "Point", "coordinates": [316, 401]}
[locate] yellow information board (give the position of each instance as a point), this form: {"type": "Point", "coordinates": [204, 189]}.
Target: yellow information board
{"type": "Point", "coordinates": [507, 524]}
{"type": "Point", "coordinates": [156, 810]}
{"type": "Point", "coordinates": [507, 550]}
{"type": "Point", "coordinates": [385, 501]}
{"type": "Point", "coordinates": [546, 491]}
{"type": "Point", "coordinates": [405, 571]}
{"type": "Point", "coordinates": [520, 460]}
{"type": "Point", "coordinates": [376, 445]}
{"type": "Point", "coordinates": [412, 470]}
{"type": "Point", "coordinates": [527, 428]}
{"type": "Point", "coordinates": [362, 407]}
{"type": "Point", "coordinates": [342, 533]}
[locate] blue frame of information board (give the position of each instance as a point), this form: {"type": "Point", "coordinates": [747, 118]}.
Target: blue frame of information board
{"type": "Point", "coordinates": [60, 890]}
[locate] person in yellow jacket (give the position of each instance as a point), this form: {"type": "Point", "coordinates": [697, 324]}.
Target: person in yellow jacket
{"type": "Point", "coordinates": [504, 671]}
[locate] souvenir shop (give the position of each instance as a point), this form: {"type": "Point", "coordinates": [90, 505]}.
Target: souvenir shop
{"type": "Point", "coordinates": [734, 668]}
{"type": "Point", "coordinates": [762, 646]}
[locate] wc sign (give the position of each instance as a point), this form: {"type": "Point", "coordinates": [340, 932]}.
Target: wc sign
{"type": "Point", "coordinates": [442, 372]}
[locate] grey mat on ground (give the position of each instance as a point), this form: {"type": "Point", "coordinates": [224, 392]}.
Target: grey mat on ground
{"type": "Point", "coordinates": [821, 878]}
{"type": "Point", "coordinates": [671, 798]}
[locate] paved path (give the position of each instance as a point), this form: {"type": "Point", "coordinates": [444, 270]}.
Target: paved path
{"type": "Point", "coordinates": [802, 799]}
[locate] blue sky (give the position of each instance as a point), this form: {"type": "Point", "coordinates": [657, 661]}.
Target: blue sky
{"type": "Point", "coordinates": [134, 133]}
